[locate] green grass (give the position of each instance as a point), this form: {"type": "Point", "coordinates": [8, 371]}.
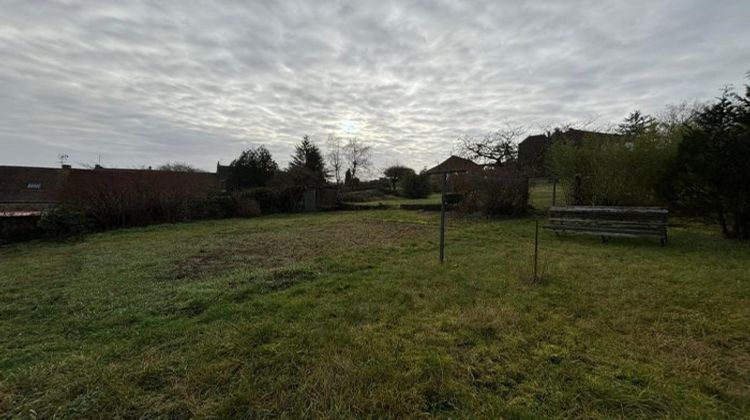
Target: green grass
{"type": "Point", "coordinates": [350, 315]}
{"type": "Point", "coordinates": [541, 192]}
{"type": "Point", "coordinates": [397, 201]}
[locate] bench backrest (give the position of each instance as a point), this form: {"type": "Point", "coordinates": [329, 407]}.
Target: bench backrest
{"type": "Point", "coordinates": [604, 214]}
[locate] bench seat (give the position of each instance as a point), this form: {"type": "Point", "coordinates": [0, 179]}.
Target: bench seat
{"type": "Point", "coordinates": [609, 222]}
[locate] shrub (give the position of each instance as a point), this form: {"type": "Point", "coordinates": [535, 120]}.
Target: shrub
{"type": "Point", "coordinates": [265, 198]}
{"type": "Point", "coordinates": [119, 198]}
{"type": "Point", "coordinates": [417, 186]}
{"type": "Point", "coordinates": [246, 205]}
{"type": "Point", "coordinates": [215, 206]}
{"type": "Point", "coordinates": [497, 192]}
{"type": "Point", "coordinates": [63, 221]}
{"type": "Point", "coordinates": [453, 198]}
{"type": "Point", "coordinates": [611, 171]}
{"type": "Point", "coordinates": [712, 170]}
{"type": "Point", "coordinates": [289, 199]}
{"type": "Point", "coordinates": [14, 229]}
{"type": "Point", "coordinates": [279, 199]}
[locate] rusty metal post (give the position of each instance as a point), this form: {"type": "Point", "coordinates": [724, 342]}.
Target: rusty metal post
{"type": "Point", "coordinates": [442, 219]}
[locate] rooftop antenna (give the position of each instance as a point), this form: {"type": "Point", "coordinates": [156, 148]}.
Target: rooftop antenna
{"type": "Point", "coordinates": [63, 158]}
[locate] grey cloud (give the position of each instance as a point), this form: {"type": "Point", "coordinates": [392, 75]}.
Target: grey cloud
{"type": "Point", "coordinates": [144, 82]}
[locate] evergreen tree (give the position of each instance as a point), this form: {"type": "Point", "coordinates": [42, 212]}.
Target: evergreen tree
{"type": "Point", "coordinates": [713, 165]}
{"type": "Point", "coordinates": [307, 159]}
{"type": "Point", "coordinates": [348, 177]}
{"type": "Point", "coordinates": [636, 124]}
{"type": "Point", "coordinates": [253, 168]}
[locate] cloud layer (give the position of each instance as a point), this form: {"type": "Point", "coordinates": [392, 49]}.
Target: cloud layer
{"type": "Point", "coordinates": [142, 83]}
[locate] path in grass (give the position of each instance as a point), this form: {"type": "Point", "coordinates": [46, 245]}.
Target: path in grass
{"type": "Point", "coordinates": [350, 315]}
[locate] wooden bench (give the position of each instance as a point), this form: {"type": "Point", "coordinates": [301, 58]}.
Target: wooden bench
{"type": "Point", "coordinates": [610, 221]}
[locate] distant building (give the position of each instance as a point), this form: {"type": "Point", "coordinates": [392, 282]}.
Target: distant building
{"type": "Point", "coordinates": [222, 172]}
{"type": "Point", "coordinates": [533, 149]}
{"type": "Point", "coordinates": [30, 190]}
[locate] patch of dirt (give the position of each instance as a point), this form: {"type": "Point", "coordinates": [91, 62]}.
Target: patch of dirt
{"type": "Point", "coordinates": [285, 278]}
{"type": "Point", "coordinates": [267, 250]}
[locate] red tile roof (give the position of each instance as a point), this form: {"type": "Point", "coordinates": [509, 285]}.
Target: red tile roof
{"type": "Point", "coordinates": [454, 164]}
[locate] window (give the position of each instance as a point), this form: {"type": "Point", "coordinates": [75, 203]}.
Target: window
{"type": "Point", "coordinates": [34, 185]}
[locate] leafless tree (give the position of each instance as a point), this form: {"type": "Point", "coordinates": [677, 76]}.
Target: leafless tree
{"type": "Point", "coordinates": [178, 167]}
{"type": "Point", "coordinates": [496, 147]}
{"type": "Point", "coordinates": [358, 155]}
{"type": "Point", "coordinates": [335, 156]}
{"type": "Point", "coordinates": [590, 122]}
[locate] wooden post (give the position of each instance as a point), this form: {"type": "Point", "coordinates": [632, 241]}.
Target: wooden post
{"type": "Point", "coordinates": [554, 191]}
{"type": "Point", "coordinates": [442, 219]}
{"type": "Point", "coordinates": [536, 247]}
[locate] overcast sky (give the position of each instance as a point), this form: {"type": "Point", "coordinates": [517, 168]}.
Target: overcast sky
{"type": "Point", "coordinates": [143, 83]}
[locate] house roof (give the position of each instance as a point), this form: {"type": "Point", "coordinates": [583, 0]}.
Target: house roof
{"type": "Point", "coordinates": [22, 185]}
{"type": "Point", "coordinates": [533, 139]}
{"type": "Point", "coordinates": [454, 164]}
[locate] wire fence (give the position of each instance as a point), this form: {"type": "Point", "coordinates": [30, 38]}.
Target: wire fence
{"type": "Point", "coordinates": [543, 192]}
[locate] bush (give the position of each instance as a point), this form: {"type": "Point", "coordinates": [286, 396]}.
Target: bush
{"type": "Point", "coordinates": [246, 205]}
{"type": "Point", "coordinates": [289, 198]}
{"type": "Point", "coordinates": [417, 186]}
{"type": "Point", "coordinates": [120, 198]}
{"type": "Point", "coordinates": [453, 198]}
{"type": "Point", "coordinates": [215, 206]}
{"type": "Point", "coordinates": [611, 171]}
{"type": "Point", "coordinates": [280, 199]}
{"type": "Point", "coordinates": [64, 221]}
{"type": "Point", "coordinates": [265, 198]}
{"type": "Point", "coordinates": [498, 192]}
{"type": "Point", "coordinates": [14, 229]}
{"type": "Point", "coordinates": [712, 170]}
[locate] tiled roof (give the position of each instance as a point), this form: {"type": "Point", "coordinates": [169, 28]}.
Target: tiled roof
{"type": "Point", "coordinates": [454, 164]}
{"type": "Point", "coordinates": [22, 185]}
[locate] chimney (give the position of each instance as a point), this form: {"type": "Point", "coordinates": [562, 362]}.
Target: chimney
{"type": "Point", "coordinates": [65, 166]}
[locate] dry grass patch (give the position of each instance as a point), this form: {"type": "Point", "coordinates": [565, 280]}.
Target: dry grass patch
{"type": "Point", "coordinates": [270, 249]}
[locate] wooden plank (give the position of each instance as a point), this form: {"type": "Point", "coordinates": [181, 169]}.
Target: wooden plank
{"type": "Point", "coordinates": [608, 222]}
{"type": "Point", "coordinates": [604, 230]}
{"type": "Point", "coordinates": [611, 209]}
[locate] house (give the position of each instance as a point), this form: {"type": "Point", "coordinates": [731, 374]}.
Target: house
{"type": "Point", "coordinates": [222, 172]}
{"type": "Point", "coordinates": [30, 190]}
{"type": "Point", "coordinates": [532, 150]}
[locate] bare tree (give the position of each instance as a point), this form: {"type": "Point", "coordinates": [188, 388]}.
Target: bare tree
{"type": "Point", "coordinates": [589, 122]}
{"type": "Point", "coordinates": [178, 167]}
{"type": "Point", "coordinates": [357, 155]}
{"type": "Point", "coordinates": [496, 147]}
{"type": "Point", "coordinates": [335, 156]}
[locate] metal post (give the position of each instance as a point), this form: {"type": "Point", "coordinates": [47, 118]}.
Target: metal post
{"type": "Point", "coordinates": [442, 219]}
{"type": "Point", "coordinates": [554, 191]}
{"type": "Point", "coordinates": [536, 246]}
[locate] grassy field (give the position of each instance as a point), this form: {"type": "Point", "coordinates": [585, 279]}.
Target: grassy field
{"type": "Point", "coordinates": [350, 315]}
{"type": "Point", "coordinates": [396, 201]}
